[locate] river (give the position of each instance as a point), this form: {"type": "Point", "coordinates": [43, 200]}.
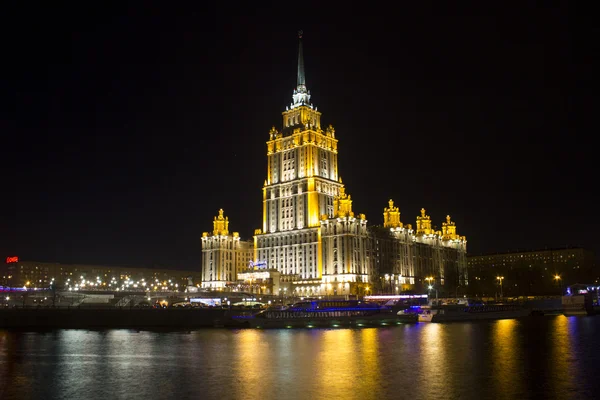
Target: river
{"type": "Point", "coordinates": [534, 357]}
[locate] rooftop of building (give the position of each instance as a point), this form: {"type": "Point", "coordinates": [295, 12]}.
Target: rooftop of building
{"type": "Point", "coordinates": [114, 267]}
{"type": "Point", "coordinates": [529, 251]}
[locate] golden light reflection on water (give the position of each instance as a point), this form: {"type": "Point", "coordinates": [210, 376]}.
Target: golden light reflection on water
{"type": "Point", "coordinates": [251, 356]}
{"type": "Point", "coordinates": [506, 358]}
{"type": "Point", "coordinates": [370, 374]}
{"type": "Point", "coordinates": [342, 363]}
{"type": "Point", "coordinates": [337, 365]}
{"type": "Point", "coordinates": [434, 365]}
{"type": "Point", "coordinates": [561, 357]}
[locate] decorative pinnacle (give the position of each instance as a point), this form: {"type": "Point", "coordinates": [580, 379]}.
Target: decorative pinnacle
{"type": "Point", "coordinates": [301, 79]}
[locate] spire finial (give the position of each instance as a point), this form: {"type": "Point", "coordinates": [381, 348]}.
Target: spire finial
{"type": "Point", "coordinates": [301, 79]}
{"type": "Point", "coordinates": [301, 95]}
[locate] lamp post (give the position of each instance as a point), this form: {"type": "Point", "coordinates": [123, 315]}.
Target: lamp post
{"type": "Point", "coordinates": [558, 282]}
{"type": "Point", "coordinates": [436, 294]}
{"type": "Point", "coordinates": [430, 280]}
{"type": "Point", "coordinates": [500, 279]}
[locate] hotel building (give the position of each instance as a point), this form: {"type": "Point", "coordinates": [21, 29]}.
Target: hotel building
{"type": "Point", "coordinates": [310, 234]}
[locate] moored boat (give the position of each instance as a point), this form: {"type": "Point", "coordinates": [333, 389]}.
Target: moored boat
{"type": "Point", "coordinates": [451, 313]}
{"type": "Point", "coordinates": [327, 313]}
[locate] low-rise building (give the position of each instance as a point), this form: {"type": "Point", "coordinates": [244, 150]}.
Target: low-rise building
{"type": "Point", "coordinates": [34, 274]}
{"type": "Point", "coordinates": [531, 272]}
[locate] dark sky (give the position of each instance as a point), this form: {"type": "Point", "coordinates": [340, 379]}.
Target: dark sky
{"type": "Point", "coordinates": [135, 123]}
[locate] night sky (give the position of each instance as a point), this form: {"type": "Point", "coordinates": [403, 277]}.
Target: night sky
{"type": "Point", "coordinates": [134, 124]}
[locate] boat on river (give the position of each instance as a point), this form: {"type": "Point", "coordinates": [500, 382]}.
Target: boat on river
{"type": "Point", "coordinates": [327, 313]}
{"type": "Point", "coordinates": [451, 313]}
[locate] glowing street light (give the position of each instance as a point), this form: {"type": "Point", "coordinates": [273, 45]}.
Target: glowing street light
{"type": "Point", "coordinates": [500, 279]}
{"type": "Point", "coordinates": [558, 282]}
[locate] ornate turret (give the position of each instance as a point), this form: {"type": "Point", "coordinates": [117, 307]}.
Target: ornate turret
{"type": "Point", "coordinates": [391, 216]}
{"type": "Point", "coordinates": [273, 133]}
{"type": "Point", "coordinates": [330, 131]}
{"type": "Point", "coordinates": [449, 230]}
{"type": "Point", "coordinates": [342, 205]}
{"type": "Point", "coordinates": [424, 224]}
{"type": "Point", "coordinates": [221, 225]}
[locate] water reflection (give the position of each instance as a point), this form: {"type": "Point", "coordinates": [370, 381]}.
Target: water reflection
{"type": "Point", "coordinates": [530, 358]}
{"type": "Point", "coordinates": [562, 362]}
{"type": "Point", "coordinates": [370, 374]}
{"type": "Point", "coordinates": [337, 364]}
{"type": "Point", "coordinates": [433, 361]}
{"type": "Point", "coordinates": [248, 369]}
{"type": "Point", "coordinates": [506, 358]}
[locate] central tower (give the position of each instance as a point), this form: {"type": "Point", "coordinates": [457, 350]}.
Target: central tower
{"type": "Point", "coordinates": [302, 173]}
{"type": "Point", "coordinates": [302, 183]}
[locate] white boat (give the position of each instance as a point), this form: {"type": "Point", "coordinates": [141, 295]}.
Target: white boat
{"type": "Point", "coordinates": [426, 314]}
{"type": "Point", "coordinates": [451, 313]}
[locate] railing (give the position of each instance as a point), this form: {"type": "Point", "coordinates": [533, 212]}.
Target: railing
{"type": "Point", "coordinates": [320, 314]}
{"type": "Point", "coordinates": [123, 302]}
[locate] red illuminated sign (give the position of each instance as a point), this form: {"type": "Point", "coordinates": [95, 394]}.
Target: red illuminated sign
{"type": "Point", "coordinates": [12, 260]}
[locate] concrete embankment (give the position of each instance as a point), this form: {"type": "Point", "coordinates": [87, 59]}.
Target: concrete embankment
{"type": "Point", "coordinates": [61, 318]}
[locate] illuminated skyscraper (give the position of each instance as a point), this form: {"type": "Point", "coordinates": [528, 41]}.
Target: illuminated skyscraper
{"type": "Point", "coordinates": [310, 234]}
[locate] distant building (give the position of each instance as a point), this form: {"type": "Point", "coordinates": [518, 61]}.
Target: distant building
{"type": "Point", "coordinates": [310, 234]}
{"type": "Point", "coordinates": [33, 274]}
{"type": "Point", "coordinates": [534, 272]}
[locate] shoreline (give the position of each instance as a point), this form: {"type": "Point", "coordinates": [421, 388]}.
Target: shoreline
{"type": "Point", "coordinates": [112, 318]}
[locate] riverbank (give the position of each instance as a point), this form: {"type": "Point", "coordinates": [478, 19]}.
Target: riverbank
{"type": "Point", "coordinates": [125, 318]}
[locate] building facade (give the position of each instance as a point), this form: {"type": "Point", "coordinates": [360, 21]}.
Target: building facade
{"type": "Point", "coordinates": [32, 275]}
{"type": "Point", "coordinates": [532, 272]}
{"type": "Point", "coordinates": [224, 256]}
{"type": "Point", "coordinates": [310, 233]}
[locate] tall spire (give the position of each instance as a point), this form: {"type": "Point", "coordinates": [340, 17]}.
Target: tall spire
{"type": "Point", "coordinates": [301, 78]}
{"type": "Point", "coordinates": [301, 95]}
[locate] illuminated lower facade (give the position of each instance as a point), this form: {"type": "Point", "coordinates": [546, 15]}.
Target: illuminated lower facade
{"type": "Point", "coordinates": [310, 234]}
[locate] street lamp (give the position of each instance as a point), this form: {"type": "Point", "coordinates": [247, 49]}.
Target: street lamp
{"type": "Point", "coordinates": [558, 282]}
{"type": "Point", "coordinates": [431, 280]}
{"type": "Point", "coordinates": [500, 279]}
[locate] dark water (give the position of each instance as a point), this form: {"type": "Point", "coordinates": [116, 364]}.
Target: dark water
{"type": "Point", "coordinates": [545, 357]}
